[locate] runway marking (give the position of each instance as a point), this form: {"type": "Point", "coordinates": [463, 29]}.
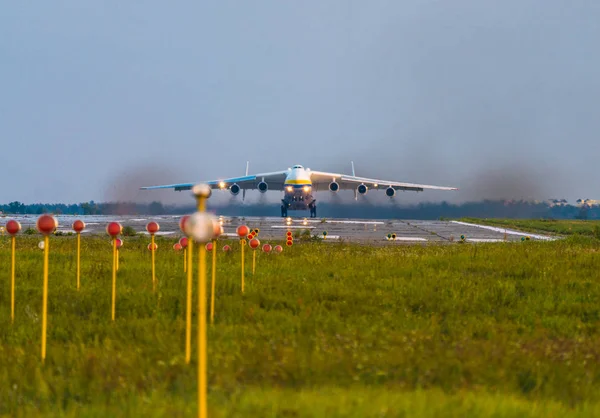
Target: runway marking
{"type": "Point", "coordinates": [329, 237]}
{"type": "Point", "coordinates": [485, 240]}
{"type": "Point", "coordinates": [406, 239]}
{"type": "Point", "coordinates": [159, 232]}
{"type": "Point", "coordinates": [507, 231]}
{"type": "Point", "coordinates": [354, 222]}
{"type": "Point", "coordinates": [293, 226]}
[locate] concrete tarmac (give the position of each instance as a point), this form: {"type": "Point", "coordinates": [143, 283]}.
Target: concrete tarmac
{"type": "Point", "coordinates": [348, 230]}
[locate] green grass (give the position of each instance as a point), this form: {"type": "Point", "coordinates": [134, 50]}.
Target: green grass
{"type": "Point", "coordinates": [558, 227]}
{"type": "Point", "coordinates": [324, 329]}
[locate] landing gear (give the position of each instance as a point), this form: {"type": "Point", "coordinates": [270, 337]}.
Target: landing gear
{"type": "Point", "coordinates": [283, 211]}
{"type": "Point", "coordinates": [313, 210]}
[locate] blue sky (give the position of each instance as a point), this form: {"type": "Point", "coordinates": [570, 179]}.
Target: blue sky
{"type": "Point", "coordinates": [498, 98]}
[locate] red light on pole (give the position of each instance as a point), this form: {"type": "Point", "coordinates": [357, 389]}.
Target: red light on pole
{"type": "Point", "coordinates": [289, 243]}
{"type": "Point", "coordinates": [242, 231]}
{"type": "Point", "coordinates": [114, 229]}
{"type": "Point", "coordinates": [13, 227]}
{"type": "Point", "coordinates": [183, 242]}
{"type": "Point", "coordinates": [152, 247]}
{"type": "Point", "coordinates": [78, 226]}
{"type": "Point", "coordinates": [267, 248]}
{"type": "Point", "coordinates": [278, 249]}
{"type": "Point", "coordinates": [226, 248]}
{"type": "Point", "coordinates": [152, 227]}
{"type": "Point", "coordinates": [177, 246]}
{"type": "Point", "coordinates": [46, 225]}
{"type": "Point", "coordinates": [209, 246]}
{"type": "Point", "coordinates": [254, 244]}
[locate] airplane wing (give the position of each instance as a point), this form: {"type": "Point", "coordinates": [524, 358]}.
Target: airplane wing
{"type": "Point", "coordinates": [321, 181]}
{"type": "Point", "coordinates": [274, 180]}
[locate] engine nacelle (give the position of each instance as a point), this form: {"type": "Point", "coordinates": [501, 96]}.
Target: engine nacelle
{"type": "Point", "coordinates": [262, 187]}
{"type": "Point", "coordinates": [390, 191]}
{"type": "Point", "coordinates": [334, 187]}
{"type": "Point", "coordinates": [234, 189]}
{"type": "Point", "coordinates": [362, 189]}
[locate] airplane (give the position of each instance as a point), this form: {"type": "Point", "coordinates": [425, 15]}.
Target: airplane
{"type": "Point", "coordinates": [298, 185]}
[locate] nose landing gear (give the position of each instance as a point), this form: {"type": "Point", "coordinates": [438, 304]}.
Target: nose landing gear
{"type": "Point", "coordinates": [313, 210]}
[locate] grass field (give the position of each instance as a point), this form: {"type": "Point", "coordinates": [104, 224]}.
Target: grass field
{"type": "Point", "coordinates": [323, 330]}
{"type": "Point", "coordinates": [548, 226]}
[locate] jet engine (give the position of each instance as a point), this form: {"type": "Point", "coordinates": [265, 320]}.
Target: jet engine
{"type": "Point", "coordinates": [362, 189]}
{"type": "Point", "coordinates": [334, 187]}
{"type": "Point", "coordinates": [262, 187]}
{"type": "Point", "coordinates": [390, 191]}
{"type": "Point", "coordinates": [234, 189]}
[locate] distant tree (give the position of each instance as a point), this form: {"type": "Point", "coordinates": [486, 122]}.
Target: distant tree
{"type": "Point", "coordinates": [89, 208]}
{"type": "Point", "coordinates": [16, 207]}
{"type": "Point", "coordinates": [156, 208]}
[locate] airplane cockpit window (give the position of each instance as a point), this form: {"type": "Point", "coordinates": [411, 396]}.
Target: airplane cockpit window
{"type": "Point", "coordinates": [297, 166]}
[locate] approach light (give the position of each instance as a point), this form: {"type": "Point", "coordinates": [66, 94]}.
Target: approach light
{"type": "Point", "coordinates": [306, 189]}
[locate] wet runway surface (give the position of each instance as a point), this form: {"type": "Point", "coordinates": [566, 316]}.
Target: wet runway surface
{"type": "Point", "coordinates": [351, 230]}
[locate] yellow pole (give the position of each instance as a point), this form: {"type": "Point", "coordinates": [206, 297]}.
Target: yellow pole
{"type": "Point", "coordinates": [185, 260]}
{"type": "Point", "coordinates": [202, 408]}
{"type": "Point", "coordinates": [12, 281]}
{"type": "Point", "coordinates": [78, 258]}
{"type": "Point", "coordinates": [153, 270]}
{"type": "Point", "coordinates": [253, 261]}
{"type": "Point", "coordinates": [243, 244]}
{"type": "Point", "coordinates": [117, 259]}
{"type": "Point", "coordinates": [214, 279]}
{"type": "Point", "coordinates": [45, 297]}
{"type": "Point", "coordinates": [202, 332]}
{"type": "Point", "coordinates": [188, 310]}
{"type": "Point", "coordinates": [114, 279]}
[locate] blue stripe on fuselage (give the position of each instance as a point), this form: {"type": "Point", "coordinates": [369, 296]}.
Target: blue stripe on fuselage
{"type": "Point", "coordinates": [298, 186]}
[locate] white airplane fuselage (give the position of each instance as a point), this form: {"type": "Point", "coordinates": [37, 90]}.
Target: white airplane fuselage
{"type": "Point", "coordinates": [297, 189]}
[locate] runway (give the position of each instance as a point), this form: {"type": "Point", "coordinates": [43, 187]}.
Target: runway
{"type": "Point", "coordinates": [347, 230]}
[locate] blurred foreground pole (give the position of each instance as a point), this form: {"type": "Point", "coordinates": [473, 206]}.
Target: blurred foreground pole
{"type": "Point", "coordinates": [201, 228]}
